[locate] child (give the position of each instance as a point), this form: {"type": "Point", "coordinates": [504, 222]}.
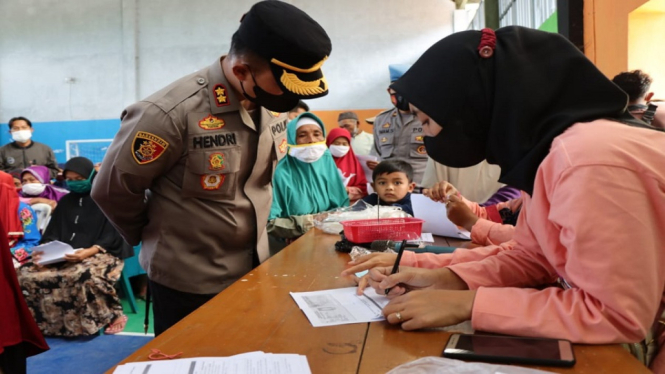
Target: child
{"type": "Point", "coordinates": [393, 183]}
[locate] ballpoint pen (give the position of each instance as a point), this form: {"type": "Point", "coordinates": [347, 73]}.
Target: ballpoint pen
{"type": "Point", "coordinates": [397, 260]}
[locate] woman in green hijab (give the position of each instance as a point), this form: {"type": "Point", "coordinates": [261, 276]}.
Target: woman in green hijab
{"type": "Point", "coordinates": [306, 181]}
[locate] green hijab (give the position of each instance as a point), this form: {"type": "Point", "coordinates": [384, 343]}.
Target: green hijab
{"type": "Point", "coordinates": [301, 188]}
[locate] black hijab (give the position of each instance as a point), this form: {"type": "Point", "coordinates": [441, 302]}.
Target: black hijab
{"type": "Point", "coordinates": [80, 165]}
{"type": "Point", "coordinates": [507, 108]}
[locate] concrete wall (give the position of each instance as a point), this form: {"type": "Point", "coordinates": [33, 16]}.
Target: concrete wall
{"type": "Point", "coordinates": [644, 52]}
{"type": "Point", "coordinates": [606, 33]}
{"type": "Point", "coordinates": [71, 60]}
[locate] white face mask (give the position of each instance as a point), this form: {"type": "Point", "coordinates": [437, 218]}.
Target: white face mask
{"type": "Point", "coordinates": [308, 152]}
{"type": "Point", "coordinates": [339, 150]}
{"type": "Point", "coordinates": [21, 136]}
{"type": "Point", "coordinates": [33, 189]}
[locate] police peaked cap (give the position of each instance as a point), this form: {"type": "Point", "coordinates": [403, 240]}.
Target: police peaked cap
{"type": "Point", "coordinates": [295, 45]}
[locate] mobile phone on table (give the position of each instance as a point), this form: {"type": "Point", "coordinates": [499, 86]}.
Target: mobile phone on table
{"type": "Point", "coordinates": [510, 350]}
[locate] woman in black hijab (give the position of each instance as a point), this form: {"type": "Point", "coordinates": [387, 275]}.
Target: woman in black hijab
{"type": "Point", "coordinates": [77, 297]}
{"type": "Point", "coordinates": [531, 103]}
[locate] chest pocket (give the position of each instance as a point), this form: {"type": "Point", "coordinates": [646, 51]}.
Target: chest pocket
{"type": "Point", "coordinates": [212, 174]}
{"type": "Point", "coordinates": [386, 144]}
{"type": "Point", "coordinates": [418, 146]}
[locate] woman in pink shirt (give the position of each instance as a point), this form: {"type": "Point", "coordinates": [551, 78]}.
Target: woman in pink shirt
{"type": "Point", "coordinates": [594, 209]}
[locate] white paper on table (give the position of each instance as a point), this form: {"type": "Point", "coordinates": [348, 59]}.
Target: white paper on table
{"type": "Point", "coordinates": [363, 162]}
{"type": "Point", "coordinates": [54, 252]}
{"type": "Point", "coordinates": [246, 363]}
{"type": "Point", "coordinates": [340, 306]}
{"type": "Point", "coordinates": [436, 218]}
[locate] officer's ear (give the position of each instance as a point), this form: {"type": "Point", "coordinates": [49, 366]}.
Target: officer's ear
{"type": "Point", "coordinates": [241, 71]}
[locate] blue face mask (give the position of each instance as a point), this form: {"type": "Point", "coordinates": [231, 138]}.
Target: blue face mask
{"type": "Point", "coordinates": [81, 187]}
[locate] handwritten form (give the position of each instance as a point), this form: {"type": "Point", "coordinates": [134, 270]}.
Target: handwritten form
{"type": "Point", "coordinates": [340, 306]}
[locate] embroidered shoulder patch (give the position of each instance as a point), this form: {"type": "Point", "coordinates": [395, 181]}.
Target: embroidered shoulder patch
{"type": "Point", "coordinates": [147, 147]}
{"type": "Point", "coordinates": [221, 95]}
{"type": "Point", "coordinates": [421, 150]}
{"type": "Point", "coordinates": [386, 125]}
{"type": "Point", "coordinates": [420, 138]}
{"type": "Point", "coordinates": [274, 114]}
{"type": "Point", "coordinates": [211, 182]}
{"type": "Point", "coordinates": [211, 123]}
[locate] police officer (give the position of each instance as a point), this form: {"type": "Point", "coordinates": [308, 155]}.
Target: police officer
{"type": "Point", "coordinates": [398, 134]}
{"type": "Point", "coordinates": [205, 147]}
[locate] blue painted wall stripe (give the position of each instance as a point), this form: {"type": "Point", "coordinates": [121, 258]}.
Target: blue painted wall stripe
{"type": "Point", "coordinates": [55, 134]}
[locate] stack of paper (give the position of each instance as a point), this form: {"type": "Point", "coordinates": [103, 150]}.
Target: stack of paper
{"type": "Point", "coordinates": [54, 252]}
{"type": "Point", "coordinates": [436, 218]}
{"type": "Point", "coordinates": [363, 162]}
{"type": "Point", "coordinates": [246, 363]}
{"type": "Point", "coordinates": [341, 306]}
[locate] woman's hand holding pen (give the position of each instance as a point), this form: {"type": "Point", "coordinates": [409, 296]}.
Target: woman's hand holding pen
{"type": "Point", "coordinates": [430, 308]}
{"type": "Point", "coordinates": [438, 298]}
{"type": "Point", "coordinates": [411, 279]}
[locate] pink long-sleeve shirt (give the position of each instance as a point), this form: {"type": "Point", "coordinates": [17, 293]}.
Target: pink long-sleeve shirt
{"type": "Point", "coordinates": [494, 236]}
{"type": "Point", "coordinates": [597, 220]}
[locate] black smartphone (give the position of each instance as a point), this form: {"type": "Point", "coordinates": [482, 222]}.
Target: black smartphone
{"type": "Point", "coordinates": [510, 350]}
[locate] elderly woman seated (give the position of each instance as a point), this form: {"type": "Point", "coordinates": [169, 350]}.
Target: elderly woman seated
{"type": "Point", "coordinates": [306, 181]}
{"type": "Point", "coordinates": [77, 296]}
{"type": "Point", "coordinates": [37, 189]}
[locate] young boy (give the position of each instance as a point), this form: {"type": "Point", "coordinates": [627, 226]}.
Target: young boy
{"type": "Point", "coordinates": [393, 183]}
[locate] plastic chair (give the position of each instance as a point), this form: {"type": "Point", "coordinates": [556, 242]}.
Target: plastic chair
{"type": "Point", "coordinates": [132, 268]}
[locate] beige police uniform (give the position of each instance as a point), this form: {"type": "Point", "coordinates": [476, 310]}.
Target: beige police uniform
{"type": "Point", "coordinates": [208, 168]}
{"type": "Point", "coordinates": [400, 136]}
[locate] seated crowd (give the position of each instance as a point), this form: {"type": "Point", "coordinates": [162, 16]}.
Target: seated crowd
{"type": "Point", "coordinates": [76, 296]}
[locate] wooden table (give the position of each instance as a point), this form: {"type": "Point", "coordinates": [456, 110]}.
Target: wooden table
{"type": "Point", "coordinates": [257, 313]}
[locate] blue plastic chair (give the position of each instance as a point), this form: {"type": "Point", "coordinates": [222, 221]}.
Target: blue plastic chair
{"type": "Point", "coordinates": [132, 268]}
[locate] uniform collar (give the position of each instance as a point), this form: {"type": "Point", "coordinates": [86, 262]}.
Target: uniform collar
{"type": "Point", "coordinates": [220, 92]}
{"type": "Point", "coordinates": [216, 80]}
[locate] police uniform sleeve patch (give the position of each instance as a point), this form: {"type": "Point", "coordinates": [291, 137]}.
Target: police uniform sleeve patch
{"type": "Point", "coordinates": [211, 182]}
{"type": "Point", "coordinates": [221, 95]}
{"type": "Point", "coordinates": [421, 150]}
{"type": "Point", "coordinates": [282, 146]}
{"type": "Point", "coordinates": [147, 147]}
{"type": "Point", "coordinates": [216, 161]}
{"type": "Point", "coordinates": [211, 123]}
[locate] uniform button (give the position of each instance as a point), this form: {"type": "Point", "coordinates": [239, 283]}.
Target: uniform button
{"type": "Point", "coordinates": [201, 80]}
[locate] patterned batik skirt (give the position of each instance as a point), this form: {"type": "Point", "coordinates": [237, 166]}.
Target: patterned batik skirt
{"type": "Point", "coordinates": [73, 299]}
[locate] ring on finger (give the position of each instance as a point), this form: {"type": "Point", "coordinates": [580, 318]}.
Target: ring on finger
{"type": "Point", "coordinates": [398, 315]}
